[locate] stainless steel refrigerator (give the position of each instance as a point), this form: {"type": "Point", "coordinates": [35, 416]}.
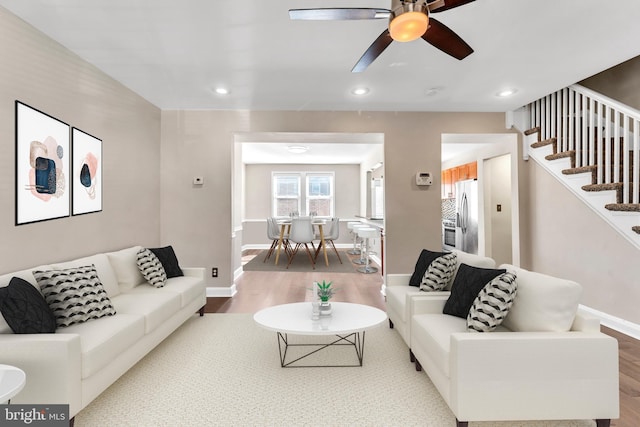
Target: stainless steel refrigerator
{"type": "Point", "coordinates": [467, 216]}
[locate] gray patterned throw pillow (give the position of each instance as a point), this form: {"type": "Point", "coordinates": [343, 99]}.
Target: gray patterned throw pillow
{"type": "Point", "coordinates": [492, 304]}
{"type": "Point", "coordinates": [151, 268]}
{"type": "Point", "coordinates": [75, 295]}
{"type": "Point", "coordinates": [439, 273]}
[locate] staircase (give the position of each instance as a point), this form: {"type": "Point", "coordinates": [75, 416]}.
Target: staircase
{"type": "Point", "coordinates": [591, 143]}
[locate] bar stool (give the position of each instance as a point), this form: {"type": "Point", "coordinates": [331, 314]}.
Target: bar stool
{"type": "Point", "coordinates": [360, 260]}
{"type": "Point", "coordinates": [367, 234]}
{"type": "Point", "coordinates": [351, 225]}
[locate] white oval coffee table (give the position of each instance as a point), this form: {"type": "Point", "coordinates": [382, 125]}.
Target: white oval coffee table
{"type": "Point", "coordinates": [12, 380]}
{"type": "Point", "coordinates": [348, 322]}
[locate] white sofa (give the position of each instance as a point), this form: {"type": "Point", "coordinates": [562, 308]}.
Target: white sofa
{"type": "Point", "coordinates": [76, 363]}
{"type": "Point", "coordinates": [399, 294]}
{"type": "Point", "coordinates": [546, 361]}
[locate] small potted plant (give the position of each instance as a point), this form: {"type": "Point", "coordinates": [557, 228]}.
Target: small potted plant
{"type": "Point", "coordinates": [325, 291]}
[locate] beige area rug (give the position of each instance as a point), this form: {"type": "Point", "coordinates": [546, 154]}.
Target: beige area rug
{"type": "Point", "coordinates": [301, 263]}
{"type": "Point", "coordinates": [224, 370]}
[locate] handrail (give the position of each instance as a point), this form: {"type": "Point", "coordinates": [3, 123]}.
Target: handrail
{"type": "Point", "coordinates": [584, 121]}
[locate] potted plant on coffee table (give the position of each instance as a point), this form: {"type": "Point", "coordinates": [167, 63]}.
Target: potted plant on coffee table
{"type": "Point", "coordinates": [325, 291]}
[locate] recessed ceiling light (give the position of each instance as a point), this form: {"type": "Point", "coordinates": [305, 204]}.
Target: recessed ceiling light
{"type": "Point", "coordinates": [360, 91]}
{"type": "Point", "coordinates": [222, 91]}
{"type": "Point", "coordinates": [506, 92]}
{"type": "Point", "coordinates": [297, 149]}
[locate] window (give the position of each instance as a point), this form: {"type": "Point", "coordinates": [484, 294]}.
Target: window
{"type": "Point", "coordinates": [286, 194]}
{"type": "Point", "coordinates": [320, 194]}
{"type": "Point", "coordinates": [316, 197]}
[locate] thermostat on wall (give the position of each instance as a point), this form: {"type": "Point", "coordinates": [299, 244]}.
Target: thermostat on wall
{"type": "Point", "coordinates": [423, 178]}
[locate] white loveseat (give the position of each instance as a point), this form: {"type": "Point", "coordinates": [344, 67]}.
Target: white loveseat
{"type": "Point", "coordinates": [546, 361]}
{"type": "Point", "coordinates": [399, 294]}
{"type": "Point", "coordinates": [78, 362]}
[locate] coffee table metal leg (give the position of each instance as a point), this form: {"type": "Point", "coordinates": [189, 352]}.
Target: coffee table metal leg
{"type": "Point", "coordinates": [355, 339]}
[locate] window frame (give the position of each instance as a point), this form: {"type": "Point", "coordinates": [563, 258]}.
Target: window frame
{"type": "Point", "coordinates": [303, 191]}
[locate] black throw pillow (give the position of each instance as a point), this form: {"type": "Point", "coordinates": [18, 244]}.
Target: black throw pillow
{"type": "Point", "coordinates": [25, 309]}
{"type": "Point", "coordinates": [426, 257]}
{"type": "Point", "coordinates": [168, 260]}
{"type": "Point", "coordinates": [466, 286]}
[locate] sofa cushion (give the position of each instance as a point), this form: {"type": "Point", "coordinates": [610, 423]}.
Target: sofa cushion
{"type": "Point", "coordinates": [439, 273]}
{"type": "Point", "coordinates": [425, 258]}
{"type": "Point", "coordinates": [543, 303]}
{"type": "Point", "coordinates": [155, 307]}
{"type": "Point", "coordinates": [126, 269]}
{"type": "Point", "coordinates": [151, 268]}
{"type": "Point", "coordinates": [397, 297]}
{"type": "Point", "coordinates": [492, 304]}
{"type": "Point", "coordinates": [102, 340]}
{"type": "Point", "coordinates": [466, 286]}
{"type": "Point", "coordinates": [169, 261]}
{"type": "Point", "coordinates": [103, 268]}
{"type": "Point", "coordinates": [75, 295]}
{"type": "Point", "coordinates": [434, 331]}
{"type": "Point", "coordinates": [24, 308]}
{"type": "Point", "coordinates": [189, 288]}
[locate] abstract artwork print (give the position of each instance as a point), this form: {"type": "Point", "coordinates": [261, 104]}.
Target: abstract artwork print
{"type": "Point", "coordinates": [42, 166]}
{"type": "Point", "coordinates": [86, 173]}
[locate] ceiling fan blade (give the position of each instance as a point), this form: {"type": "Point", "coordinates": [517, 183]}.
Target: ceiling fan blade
{"type": "Point", "coordinates": [340, 13]}
{"type": "Point", "coordinates": [442, 5]}
{"type": "Point", "coordinates": [376, 48]}
{"type": "Point", "coordinates": [442, 37]}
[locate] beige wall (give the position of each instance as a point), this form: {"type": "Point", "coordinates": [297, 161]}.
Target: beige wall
{"type": "Point", "coordinates": [202, 143]}
{"type": "Point", "coordinates": [621, 82]}
{"type": "Point", "coordinates": [46, 76]}
{"type": "Point", "coordinates": [258, 188]}
{"type": "Point", "coordinates": [569, 240]}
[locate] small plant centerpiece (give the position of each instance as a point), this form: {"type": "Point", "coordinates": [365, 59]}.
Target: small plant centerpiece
{"type": "Point", "coordinates": [325, 291]}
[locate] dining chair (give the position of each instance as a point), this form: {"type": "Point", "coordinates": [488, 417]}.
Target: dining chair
{"type": "Point", "coordinates": [332, 234]}
{"type": "Point", "coordinates": [273, 233]}
{"type": "Point", "coordinates": [301, 234]}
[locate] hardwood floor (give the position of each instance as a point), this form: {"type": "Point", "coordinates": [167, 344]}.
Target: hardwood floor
{"type": "Point", "coordinates": [257, 290]}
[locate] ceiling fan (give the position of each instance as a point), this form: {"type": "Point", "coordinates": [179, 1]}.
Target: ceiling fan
{"type": "Point", "coordinates": [408, 20]}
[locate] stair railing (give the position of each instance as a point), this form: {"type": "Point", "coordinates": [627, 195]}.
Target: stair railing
{"type": "Point", "coordinates": [582, 120]}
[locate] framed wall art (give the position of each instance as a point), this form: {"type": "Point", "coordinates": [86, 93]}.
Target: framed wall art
{"type": "Point", "coordinates": [86, 173]}
{"type": "Point", "coordinates": [42, 166]}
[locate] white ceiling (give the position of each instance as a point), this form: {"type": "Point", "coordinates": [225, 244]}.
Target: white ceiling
{"type": "Point", "coordinates": [174, 53]}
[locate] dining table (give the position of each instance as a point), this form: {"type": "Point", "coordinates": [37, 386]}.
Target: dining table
{"type": "Point", "coordinates": [285, 226]}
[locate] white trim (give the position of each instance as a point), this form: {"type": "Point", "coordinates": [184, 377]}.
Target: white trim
{"type": "Point", "coordinates": [623, 326]}
{"type": "Point", "coordinates": [218, 292]}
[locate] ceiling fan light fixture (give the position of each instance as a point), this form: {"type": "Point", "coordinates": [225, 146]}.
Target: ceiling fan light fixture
{"type": "Point", "coordinates": [408, 26]}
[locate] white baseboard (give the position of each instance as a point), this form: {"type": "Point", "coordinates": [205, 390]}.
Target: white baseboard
{"type": "Point", "coordinates": [220, 292]}
{"type": "Point", "coordinates": [616, 323]}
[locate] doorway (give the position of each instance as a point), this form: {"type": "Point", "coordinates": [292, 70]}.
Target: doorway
{"type": "Point", "coordinates": [498, 208]}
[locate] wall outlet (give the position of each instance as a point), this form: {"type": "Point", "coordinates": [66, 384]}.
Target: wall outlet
{"type": "Point", "coordinates": [214, 272]}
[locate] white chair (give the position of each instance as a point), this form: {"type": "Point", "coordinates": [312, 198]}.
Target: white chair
{"type": "Point", "coordinates": [273, 233]}
{"type": "Point", "coordinates": [366, 234]}
{"type": "Point", "coordinates": [301, 234]}
{"type": "Point", "coordinates": [332, 234]}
